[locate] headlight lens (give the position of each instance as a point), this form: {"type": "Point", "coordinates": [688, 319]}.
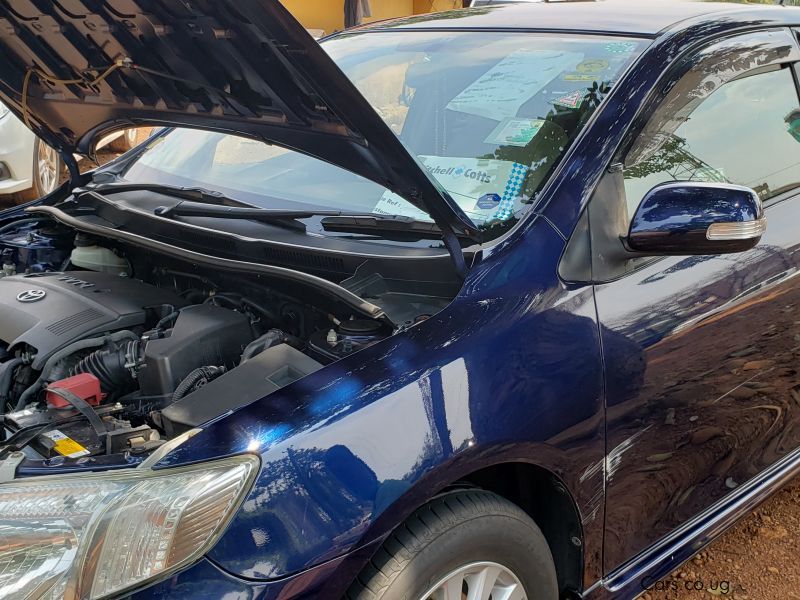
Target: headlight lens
{"type": "Point", "coordinates": [3, 110]}
{"type": "Point", "coordinates": [91, 536]}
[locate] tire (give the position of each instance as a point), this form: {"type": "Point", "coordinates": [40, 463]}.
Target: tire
{"type": "Point", "coordinates": [48, 169]}
{"type": "Point", "coordinates": [452, 534]}
{"type": "Point", "coordinates": [125, 142]}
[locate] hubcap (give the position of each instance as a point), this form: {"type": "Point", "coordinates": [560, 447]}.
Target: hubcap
{"type": "Point", "coordinates": [47, 161]}
{"type": "Point", "coordinates": [478, 581]}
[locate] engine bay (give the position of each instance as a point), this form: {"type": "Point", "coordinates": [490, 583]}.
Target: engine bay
{"type": "Point", "coordinates": [108, 348]}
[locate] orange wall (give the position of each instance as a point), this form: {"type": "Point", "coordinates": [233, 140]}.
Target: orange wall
{"type": "Point", "coordinates": [318, 14]}
{"type": "Point", "coordinates": [329, 14]}
{"type": "Point", "coordinates": [387, 9]}
{"type": "Point", "coordinates": [424, 6]}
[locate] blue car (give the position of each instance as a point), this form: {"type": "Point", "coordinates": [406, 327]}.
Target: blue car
{"type": "Point", "coordinates": [494, 303]}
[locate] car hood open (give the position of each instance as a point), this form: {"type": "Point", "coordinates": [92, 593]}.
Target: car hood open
{"type": "Point", "coordinates": [75, 70]}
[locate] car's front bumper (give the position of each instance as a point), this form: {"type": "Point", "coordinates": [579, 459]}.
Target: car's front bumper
{"type": "Point", "coordinates": [16, 152]}
{"type": "Point", "coordinates": [206, 581]}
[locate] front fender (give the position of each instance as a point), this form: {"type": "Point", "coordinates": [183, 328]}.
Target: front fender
{"type": "Point", "coordinates": [510, 371]}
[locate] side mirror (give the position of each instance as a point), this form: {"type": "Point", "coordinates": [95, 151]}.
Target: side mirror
{"type": "Point", "coordinates": [680, 219]}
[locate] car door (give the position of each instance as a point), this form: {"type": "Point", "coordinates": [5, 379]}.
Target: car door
{"type": "Point", "coordinates": [711, 395]}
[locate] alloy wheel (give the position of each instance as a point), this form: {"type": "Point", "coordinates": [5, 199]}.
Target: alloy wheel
{"type": "Point", "coordinates": [478, 581]}
{"type": "Point", "coordinates": [48, 166]}
{"type": "Point", "coordinates": [131, 136]}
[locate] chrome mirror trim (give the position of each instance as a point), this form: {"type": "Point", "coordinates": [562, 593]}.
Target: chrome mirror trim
{"type": "Point", "coordinates": [746, 230]}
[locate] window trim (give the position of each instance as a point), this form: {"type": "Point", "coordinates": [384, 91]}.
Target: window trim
{"type": "Point", "coordinates": [695, 57]}
{"type": "Point", "coordinates": [792, 69]}
{"type": "Point", "coordinates": [702, 54]}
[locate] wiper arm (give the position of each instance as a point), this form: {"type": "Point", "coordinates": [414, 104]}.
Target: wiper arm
{"type": "Point", "coordinates": [281, 218]}
{"type": "Point", "coordinates": [194, 194]}
{"type": "Point", "coordinates": [200, 202]}
{"type": "Point", "coordinates": [392, 227]}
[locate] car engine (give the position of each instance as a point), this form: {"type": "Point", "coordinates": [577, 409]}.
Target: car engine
{"type": "Point", "coordinates": [95, 362]}
{"type": "Point", "coordinates": [110, 347]}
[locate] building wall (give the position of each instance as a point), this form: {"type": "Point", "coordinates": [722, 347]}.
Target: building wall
{"type": "Point", "coordinates": [329, 14]}
{"type": "Point", "coordinates": [387, 9]}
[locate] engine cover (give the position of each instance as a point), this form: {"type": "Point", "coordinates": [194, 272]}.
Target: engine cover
{"type": "Point", "coordinates": [50, 310]}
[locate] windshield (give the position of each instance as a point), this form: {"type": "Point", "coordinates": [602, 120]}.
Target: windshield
{"type": "Point", "coordinates": [487, 114]}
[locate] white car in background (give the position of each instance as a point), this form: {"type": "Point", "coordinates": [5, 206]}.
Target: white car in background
{"type": "Point", "coordinates": [29, 168]}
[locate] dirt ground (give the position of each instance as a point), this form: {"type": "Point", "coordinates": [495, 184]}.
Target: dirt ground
{"type": "Point", "coordinates": [755, 560]}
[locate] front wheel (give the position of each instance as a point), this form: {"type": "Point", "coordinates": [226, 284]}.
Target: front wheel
{"type": "Point", "coordinates": [462, 546]}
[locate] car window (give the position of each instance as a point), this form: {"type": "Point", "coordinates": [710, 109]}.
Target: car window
{"type": "Point", "coordinates": [488, 114]}
{"type": "Point", "coordinates": [746, 132]}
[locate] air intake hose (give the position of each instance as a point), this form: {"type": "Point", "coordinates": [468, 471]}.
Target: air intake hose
{"type": "Point", "coordinates": [115, 367]}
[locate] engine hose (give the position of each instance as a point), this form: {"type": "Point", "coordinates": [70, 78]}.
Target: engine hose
{"type": "Point", "coordinates": [174, 273]}
{"type": "Point", "coordinates": [272, 338]}
{"type": "Point", "coordinates": [238, 300]}
{"type": "Point", "coordinates": [193, 378]}
{"type": "Point", "coordinates": [6, 372]}
{"type": "Point", "coordinates": [117, 336]}
{"type": "Point", "coordinates": [112, 366]}
{"type": "Point", "coordinates": [170, 317]}
{"type": "Point", "coordinates": [262, 309]}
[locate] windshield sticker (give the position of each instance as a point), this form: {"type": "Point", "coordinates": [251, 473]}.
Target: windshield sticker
{"type": "Point", "coordinates": [621, 47]}
{"type": "Point", "coordinates": [587, 70]}
{"type": "Point", "coordinates": [489, 201]}
{"type": "Point", "coordinates": [575, 76]}
{"type": "Point", "coordinates": [516, 180]}
{"type": "Point", "coordinates": [500, 92]}
{"type": "Point", "coordinates": [394, 205]}
{"type": "Point", "coordinates": [572, 101]}
{"type": "Point", "coordinates": [593, 65]}
{"type": "Point", "coordinates": [515, 132]}
{"type": "Point", "coordinates": [482, 188]}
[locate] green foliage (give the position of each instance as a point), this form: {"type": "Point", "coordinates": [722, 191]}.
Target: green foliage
{"type": "Point", "coordinates": [671, 155]}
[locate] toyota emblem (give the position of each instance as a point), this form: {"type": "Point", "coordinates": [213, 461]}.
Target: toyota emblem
{"type": "Point", "coordinates": [31, 295]}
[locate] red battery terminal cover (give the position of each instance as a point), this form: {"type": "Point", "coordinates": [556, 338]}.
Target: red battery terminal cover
{"type": "Point", "coordinates": [86, 386]}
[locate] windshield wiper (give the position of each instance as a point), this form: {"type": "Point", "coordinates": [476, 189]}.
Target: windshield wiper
{"type": "Point", "coordinates": [392, 227]}
{"type": "Point", "coordinates": [281, 218]}
{"type": "Point", "coordinates": [195, 194]}
{"type": "Point", "coordinates": [201, 202]}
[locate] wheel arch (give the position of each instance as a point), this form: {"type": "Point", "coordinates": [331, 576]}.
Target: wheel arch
{"type": "Point", "coordinates": [539, 492]}
{"type": "Point", "coordinates": [548, 502]}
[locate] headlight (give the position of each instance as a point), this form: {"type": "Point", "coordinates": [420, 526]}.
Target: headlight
{"type": "Point", "coordinates": [3, 110]}
{"type": "Point", "coordinates": [92, 536]}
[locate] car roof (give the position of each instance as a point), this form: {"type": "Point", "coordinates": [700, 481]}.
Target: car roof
{"type": "Point", "coordinates": [633, 17]}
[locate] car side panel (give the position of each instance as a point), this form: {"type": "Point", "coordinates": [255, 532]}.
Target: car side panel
{"type": "Point", "coordinates": [716, 400]}
{"type": "Point", "coordinates": [510, 371]}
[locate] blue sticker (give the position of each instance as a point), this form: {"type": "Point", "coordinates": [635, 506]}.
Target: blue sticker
{"type": "Point", "coordinates": [489, 201]}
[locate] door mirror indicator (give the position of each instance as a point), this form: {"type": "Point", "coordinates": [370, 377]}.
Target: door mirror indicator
{"type": "Point", "coordinates": [681, 219]}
